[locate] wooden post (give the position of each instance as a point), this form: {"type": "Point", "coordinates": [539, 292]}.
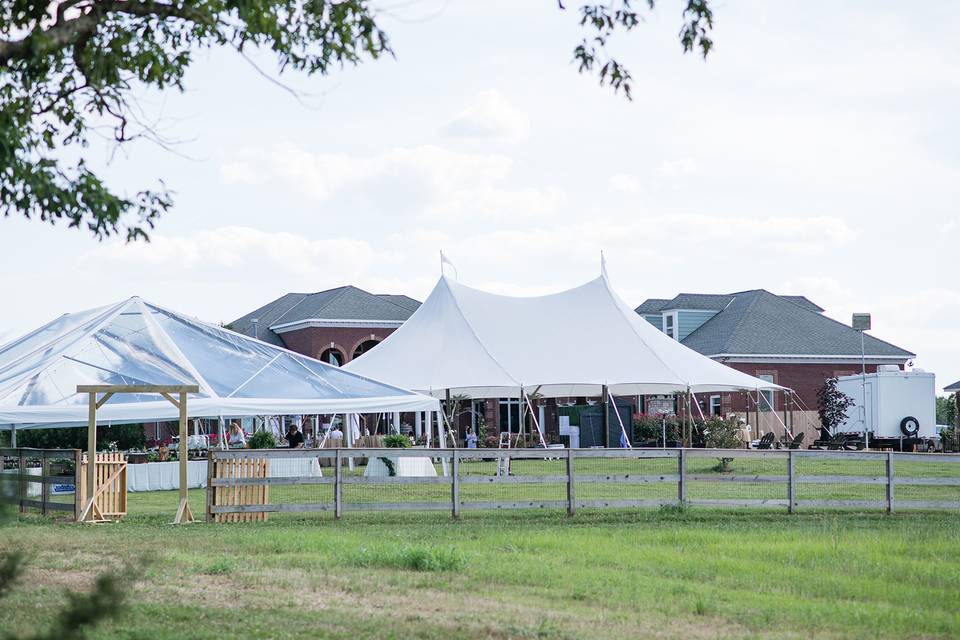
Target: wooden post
{"type": "Point", "coordinates": [22, 477]}
{"type": "Point", "coordinates": [337, 488]}
{"type": "Point", "coordinates": [889, 482]}
{"type": "Point", "coordinates": [791, 482]}
{"type": "Point", "coordinates": [455, 482]}
{"type": "Point", "coordinates": [682, 472]}
{"type": "Point", "coordinates": [571, 487]}
{"type": "Point", "coordinates": [210, 488]}
{"type": "Point", "coordinates": [77, 483]}
{"type": "Point", "coordinates": [44, 485]}
{"type": "Point", "coordinates": [184, 514]}
{"type": "Point", "coordinates": [91, 483]}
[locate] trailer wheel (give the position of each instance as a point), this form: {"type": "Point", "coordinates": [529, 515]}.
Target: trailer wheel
{"type": "Point", "coordinates": [909, 426]}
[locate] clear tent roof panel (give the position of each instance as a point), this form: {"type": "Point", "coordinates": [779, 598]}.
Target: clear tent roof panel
{"type": "Point", "coordinates": [135, 342]}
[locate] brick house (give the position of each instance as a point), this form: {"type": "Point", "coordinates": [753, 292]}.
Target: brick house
{"type": "Point", "coordinates": [784, 339]}
{"type": "Point", "coordinates": [334, 326]}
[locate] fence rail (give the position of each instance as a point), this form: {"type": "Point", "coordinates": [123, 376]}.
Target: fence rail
{"type": "Point", "coordinates": [497, 479]}
{"type": "Point", "coordinates": [31, 478]}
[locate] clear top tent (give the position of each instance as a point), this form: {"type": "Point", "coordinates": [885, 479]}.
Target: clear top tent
{"type": "Point", "coordinates": [135, 342]}
{"type": "Point", "coordinates": [567, 344]}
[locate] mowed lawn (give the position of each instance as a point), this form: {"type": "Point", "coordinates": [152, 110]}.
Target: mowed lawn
{"type": "Point", "coordinates": [696, 573]}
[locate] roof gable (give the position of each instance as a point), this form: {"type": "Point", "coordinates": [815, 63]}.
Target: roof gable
{"type": "Point", "coordinates": [341, 303]}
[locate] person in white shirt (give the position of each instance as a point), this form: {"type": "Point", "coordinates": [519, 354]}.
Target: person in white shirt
{"type": "Point", "coordinates": [336, 434]}
{"type": "Point", "coordinates": [471, 438]}
{"type": "Point", "coordinates": [236, 439]}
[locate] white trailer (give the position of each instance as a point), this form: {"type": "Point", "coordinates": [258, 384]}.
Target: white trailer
{"type": "Point", "coordinates": [895, 407]}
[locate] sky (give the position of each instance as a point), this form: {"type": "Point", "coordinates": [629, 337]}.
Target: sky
{"type": "Point", "coordinates": [815, 152]}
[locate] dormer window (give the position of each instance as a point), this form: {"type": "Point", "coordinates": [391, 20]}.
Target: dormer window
{"type": "Point", "coordinates": [668, 327]}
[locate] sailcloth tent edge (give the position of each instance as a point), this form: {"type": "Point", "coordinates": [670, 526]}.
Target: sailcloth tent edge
{"type": "Point", "coordinates": [570, 343]}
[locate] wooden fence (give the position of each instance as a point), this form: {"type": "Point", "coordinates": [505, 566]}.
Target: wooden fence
{"type": "Point", "coordinates": [24, 468]}
{"type": "Point", "coordinates": [111, 483]}
{"type": "Point", "coordinates": [571, 479]}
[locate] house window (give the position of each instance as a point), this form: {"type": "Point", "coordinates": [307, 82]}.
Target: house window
{"type": "Point", "coordinates": [715, 406]}
{"type": "Point", "coordinates": [768, 399]}
{"type": "Point", "coordinates": [332, 356]}
{"type": "Point", "coordinates": [363, 347]}
{"type": "Point", "coordinates": [510, 414]}
{"type": "Point", "coordinates": [668, 327]}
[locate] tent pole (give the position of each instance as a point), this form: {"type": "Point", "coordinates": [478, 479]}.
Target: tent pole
{"type": "Point", "coordinates": [536, 422]}
{"type": "Point", "coordinates": [623, 429]}
{"type": "Point", "coordinates": [605, 398]}
{"type": "Point", "coordinates": [13, 436]}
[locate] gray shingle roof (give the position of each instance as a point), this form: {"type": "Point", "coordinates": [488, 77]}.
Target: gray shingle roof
{"type": "Point", "coordinates": [953, 387]}
{"type": "Point", "coordinates": [342, 303]}
{"type": "Point", "coordinates": [759, 323]}
{"type": "Point", "coordinates": [652, 305]}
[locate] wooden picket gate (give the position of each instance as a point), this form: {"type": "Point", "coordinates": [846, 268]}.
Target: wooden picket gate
{"type": "Point", "coordinates": [111, 492]}
{"type": "Point", "coordinates": [243, 472]}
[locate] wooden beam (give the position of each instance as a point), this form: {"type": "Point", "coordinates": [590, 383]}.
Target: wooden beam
{"type": "Point", "coordinates": [172, 400]}
{"type": "Point", "coordinates": [138, 388]}
{"type": "Point", "coordinates": [102, 401]}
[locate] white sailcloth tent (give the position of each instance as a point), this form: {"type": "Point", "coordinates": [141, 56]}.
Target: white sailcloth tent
{"type": "Point", "coordinates": [566, 344]}
{"type": "Point", "coordinates": [135, 342]}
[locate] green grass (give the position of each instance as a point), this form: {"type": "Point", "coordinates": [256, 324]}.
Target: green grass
{"type": "Point", "coordinates": [667, 573]}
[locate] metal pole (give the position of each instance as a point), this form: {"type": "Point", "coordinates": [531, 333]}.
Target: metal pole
{"type": "Point", "coordinates": [13, 436]}
{"type": "Point", "coordinates": [605, 398]}
{"type": "Point", "coordinates": [863, 393]}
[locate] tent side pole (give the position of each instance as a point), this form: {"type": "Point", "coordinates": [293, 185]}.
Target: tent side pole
{"type": "Point", "coordinates": [605, 399]}
{"type": "Point", "coordinates": [13, 436]}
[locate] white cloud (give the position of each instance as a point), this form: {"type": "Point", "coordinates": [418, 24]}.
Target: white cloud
{"type": "Point", "coordinates": [425, 179]}
{"type": "Point", "coordinates": [238, 172]}
{"type": "Point", "coordinates": [672, 169]}
{"type": "Point", "coordinates": [626, 183]}
{"type": "Point", "coordinates": [489, 116]}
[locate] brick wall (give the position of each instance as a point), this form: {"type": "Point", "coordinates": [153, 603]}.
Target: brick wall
{"type": "Point", "coordinates": [315, 340]}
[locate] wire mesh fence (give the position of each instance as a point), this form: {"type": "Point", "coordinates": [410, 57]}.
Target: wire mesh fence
{"type": "Point", "coordinates": [458, 480]}
{"type": "Point", "coordinates": [41, 480]}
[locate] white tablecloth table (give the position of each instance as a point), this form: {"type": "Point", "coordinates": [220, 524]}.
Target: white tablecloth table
{"type": "Point", "coordinates": [405, 467]}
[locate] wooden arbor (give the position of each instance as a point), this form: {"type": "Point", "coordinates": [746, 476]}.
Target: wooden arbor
{"type": "Point", "coordinates": [91, 513]}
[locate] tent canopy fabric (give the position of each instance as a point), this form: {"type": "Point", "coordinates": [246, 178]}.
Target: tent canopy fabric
{"type": "Point", "coordinates": [135, 342]}
{"type": "Point", "coordinates": [560, 345]}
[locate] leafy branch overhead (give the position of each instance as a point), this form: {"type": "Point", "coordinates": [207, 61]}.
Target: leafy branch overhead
{"type": "Point", "coordinates": [71, 69]}
{"type": "Point", "coordinates": [68, 70]}
{"type": "Point", "coordinates": [604, 20]}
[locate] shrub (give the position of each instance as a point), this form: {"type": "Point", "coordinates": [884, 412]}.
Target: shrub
{"type": "Point", "coordinates": [832, 405]}
{"type": "Point", "coordinates": [262, 440]}
{"type": "Point", "coordinates": [396, 441]}
{"type": "Point", "coordinates": [491, 442]}
{"type": "Point", "coordinates": [649, 428]}
{"type": "Point", "coordinates": [722, 434]}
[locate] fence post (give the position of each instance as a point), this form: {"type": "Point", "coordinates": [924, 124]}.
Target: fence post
{"type": "Point", "coordinates": [337, 476]}
{"type": "Point", "coordinates": [791, 482]}
{"type": "Point", "coordinates": [681, 481]}
{"type": "Point", "coordinates": [210, 488]}
{"type": "Point", "coordinates": [889, 482]}
{"type": "Point", "coordinates": [571, 488]}
{"type": "Point", "coordinates": [22, 476]}
{"type": "Point", "coordinates": [455, 482]}
{"type": "Point", "coordinates": [44, 486]}
{"type": "Point", "coordinates": [77, 482]}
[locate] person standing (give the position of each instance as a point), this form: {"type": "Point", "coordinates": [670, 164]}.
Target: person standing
{"type": "Point", "coordinates": [294, 437]}
{"type": "Point", "coordinates": [471, 438]}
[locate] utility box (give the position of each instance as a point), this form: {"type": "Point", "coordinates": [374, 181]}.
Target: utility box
{"type": "Point", "coordinates": [899, 405]}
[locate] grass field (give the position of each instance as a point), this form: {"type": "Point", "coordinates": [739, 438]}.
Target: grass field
{"type": "Point", "coordinates": [695, 573]}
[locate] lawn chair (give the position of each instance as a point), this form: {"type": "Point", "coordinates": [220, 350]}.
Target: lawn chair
{"type": "Point", "coordinates": [796, 442]}
{"type": "Point", "coordinates": [766, 441]}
